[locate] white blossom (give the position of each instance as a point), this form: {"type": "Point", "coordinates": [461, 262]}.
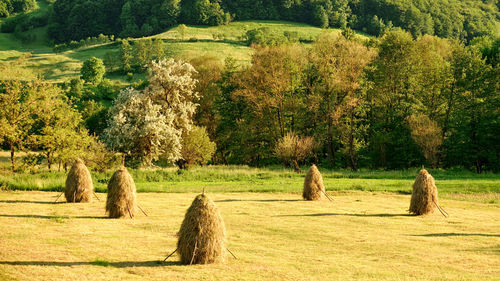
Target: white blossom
{"type": "Point", "coordinates": [149, 124]}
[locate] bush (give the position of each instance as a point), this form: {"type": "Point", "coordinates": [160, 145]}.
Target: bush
{"type": "Point", "coordinates": [93, 70]}
{"type": "Point", "coordinates": [196, 148]}
{"type": "Point", "coordinates": [292, 149]}
{"type": "Point", "coordinates": [263, 36]}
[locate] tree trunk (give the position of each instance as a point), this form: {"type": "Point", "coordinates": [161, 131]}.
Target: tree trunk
{"type": "Point", "coordinates": [12, 157]}
{"type": "Point", "coordinates": [49, 161]}
{"type": "Point", "coordinates": [296, 167]}
{"type": "Point", "coordinates": [331, 147]}
{"type": "Point", "coordinates": [478, 167]}
{"type": "Point", "coordinates": [352, 155]}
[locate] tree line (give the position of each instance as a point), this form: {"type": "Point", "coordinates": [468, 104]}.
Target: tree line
{"type": "Point", "coordinates": [391, 102]}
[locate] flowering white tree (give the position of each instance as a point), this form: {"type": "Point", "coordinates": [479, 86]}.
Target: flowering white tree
{"type": "Point", "coordinates": [149, 124]}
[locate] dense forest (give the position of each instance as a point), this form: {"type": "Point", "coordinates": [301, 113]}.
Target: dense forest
{"type": "Point", "coordinates": [389, 102]}
{"type": "Point", "coordinates": [79, 19]}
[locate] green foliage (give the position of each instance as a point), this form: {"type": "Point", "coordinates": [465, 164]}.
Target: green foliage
{"type": "Point", "coordinates": [37, 116]}
{"type": "Point", "coordinates": [93, 70]}
{"type": "Point", "coordinates": [262, 36]}
{"type": "Point", "coordinates": [196, 148]}
{"type": "Point", "coordinates": [203, 12]}
{"type": "Point", "coordinates": [126, 56]}
{"type": "Point", "coordinates": [8, 7]}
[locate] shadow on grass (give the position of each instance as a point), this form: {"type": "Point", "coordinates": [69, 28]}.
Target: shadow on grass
{"type": "Point", "coordinates": [348, 215]}
{"type": "Point", "coordinates": [51, 217]}
{"type": "Point", "coordinates": [257, 200]}
{"type": "Point", "coordinates": [32, 202]}
{"type": "Point", "coordinates": [121, 264]}
{"type": "Point", "coordinates": [451, 234]}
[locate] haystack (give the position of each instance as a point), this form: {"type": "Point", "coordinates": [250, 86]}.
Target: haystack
{"type": "Point", "coordinates": [121, 195]}
{"type": "Point", "coordinates": [79, 187]}
{"type": "Point", "coordinates": [313, 185]}
{"type": "Point", "coordinates": [424, 196]}
{"type": "Point", "coordinates": [202, 236]}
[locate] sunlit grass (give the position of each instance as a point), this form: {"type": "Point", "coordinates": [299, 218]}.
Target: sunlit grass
{"type": "Point", "coordinates": [276, 236]}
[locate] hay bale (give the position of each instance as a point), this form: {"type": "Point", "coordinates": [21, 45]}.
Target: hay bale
{"type": "Point", "coordinates": [121, 195]}
{"type": "Point", "coordinates": [204, 229]}
{"type": "Point", "coordinates": [424, 196]}
{"type": "Point", "coordinates": [313, 185]}
{"type": "Point", "coordinates": [79, 187]}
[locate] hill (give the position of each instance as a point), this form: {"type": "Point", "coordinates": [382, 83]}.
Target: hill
{"type": "Point", "coordinates": [218, 41]}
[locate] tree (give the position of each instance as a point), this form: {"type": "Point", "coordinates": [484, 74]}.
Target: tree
{"type": "Point", "coordinates": [292, 149]}
{"type": "Point", "coordinates": [149, 124]}
{"type": "Point", "coordinates": [394, 78]}
{"type": "Point", "coordinates": [472, 138]}
{"type": "Point", "coordinates": [35, 115]}
{"type": "Point", "coordinates": [208, 76]}
{"type": "Point", "coordinates": [273, 86]}
{"type": "Point", "coordinates": [427, 134]}
{"type": "Point", "coordinates": [141, 53]}
{"type": "Point", "coordinates": [126, 56]}
{"type": "Point", "coordinates": [17, 106]}
{"type": "Point", "coordinates": [93, 70]}
{"type": "Point", "coordinates": [182, 30]}
{"type": "Point", "coordinates": [196, 148]}
{"type": "Point", "coordinates": [158, 49]}
{"type": "Point", "coordinates": [340, 64]}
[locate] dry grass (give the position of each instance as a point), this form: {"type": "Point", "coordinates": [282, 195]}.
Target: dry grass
{"type": "Point", "coordinates": [313, 185]}
{"type": "Point", "coordinates": [79, 187]}
{"type": "Point", "coordinates": [121, 198]}
{"type": "Point", "coordinates": [424, 195]}
{"type": "Point", "coordinates": [202, 236]}
{"type": "Point", "coordinates": [363, 236]}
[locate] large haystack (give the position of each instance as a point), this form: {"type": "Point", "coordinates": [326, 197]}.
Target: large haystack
{"type": "Point", "coordinates": [313, 185]}
{"type": "Point", "coordinates": [121, 195]}
{"type": "Point", "coordinates": [424, 196]}
{"type": "Point", "coordinates": [79, 187]}
{"type": "Point", "coordinates": [202, 233]}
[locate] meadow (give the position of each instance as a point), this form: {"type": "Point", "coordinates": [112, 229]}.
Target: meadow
{"type": "Point", "coordinates": [275, 236]}
{"type": "Point", "coordinates": [365, 233]}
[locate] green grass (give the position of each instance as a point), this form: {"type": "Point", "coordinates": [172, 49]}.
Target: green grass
{"type": "Point", "coordinates": [275, 236]}
{"type": "Point", "coordinates": [484, 187]}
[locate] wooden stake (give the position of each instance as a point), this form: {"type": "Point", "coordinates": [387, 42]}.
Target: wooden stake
{"type": "Point", "coordinates": [97, 197]}
{"type": "Point", "coordinates": [142, 210]}
{"type": "Point", "coordinates": [169, 255]}
{"type": "Point", "coordinates": [130, 214]}
{"type": "Point", "coordinates": [194, 252]}
{"type": "Point", "coordinates": [442, 209]}
{"type": "Point", "coordinates": [439, 209]}
{"type": "Point", "coordinates": [59, 196]}
{"type": "Point", "coordinates": [326, 194]}
{"type": "Point", "coordinates": [231, 253]}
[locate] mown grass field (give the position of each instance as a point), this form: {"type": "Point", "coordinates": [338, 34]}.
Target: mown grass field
{"type": "Point", "coordinates": [275, 236]}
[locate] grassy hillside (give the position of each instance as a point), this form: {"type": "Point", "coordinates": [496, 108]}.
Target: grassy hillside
{"type": "Point", "coordinates": [40, 58]}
